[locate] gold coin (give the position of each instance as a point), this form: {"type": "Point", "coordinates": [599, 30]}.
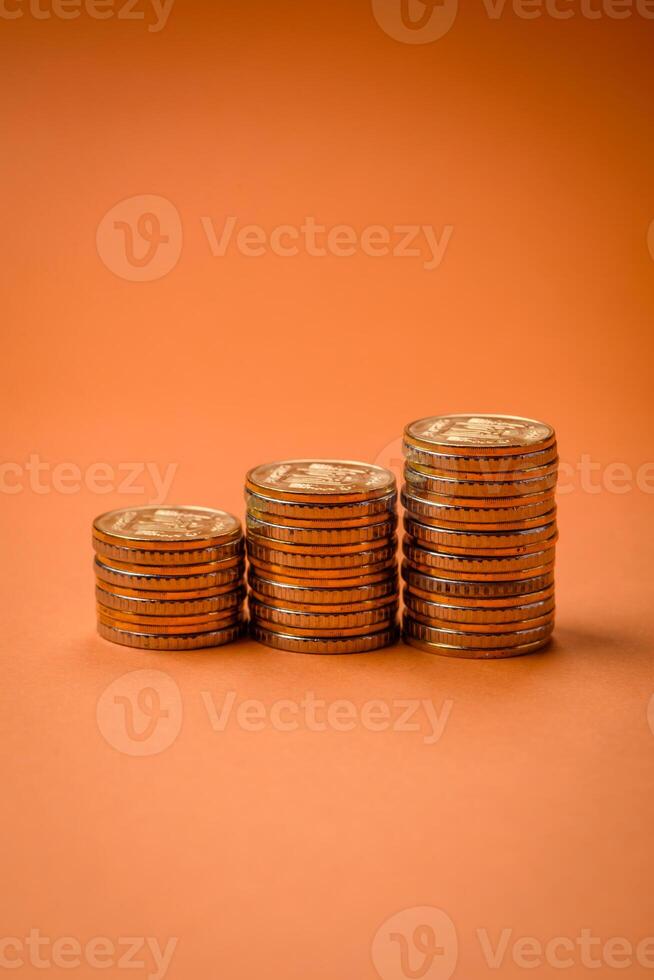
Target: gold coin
{"type": "Point", "coordinates": [480, 435]}
{"type": "Point", "coordinates": [330, 600]}
{"type": "Point", "coordinates": [484, 589]}
{"type": "Point", "coordinates": [460, 565]}
{"type": "Point", "coordinates": [167, 583]}
{"type": "Point", "coordinates": [310, 579]}
{"type": "Point", "coordinates": [481, 641]}
{"type": "Point", "coordinates": [136, 556]}
{"type": "Point", "coordinates": [304, 556]}
{"type": "Point", "coordinates": [504, 608]}
{"type": "Point", "coordinates": [502, 505]}
{"type": "Point", "coordinates": [479, 519]}
{"type": "Point", "coordinates": [322, 625]}
{"type": "Point", "coordinates": [160, 528]}
{"type": "Point", "coordinates": [476, 620]}
{"type": "Point", "coordinates": [480, 467]}
{"type": "Point", "coordinates": [176, 570]}
{"type": "Point", "coordinates": [296, 644]}
{"type": "Point", "coordinates": [148, 641]}
{"type": "Point", "coordinates": [411, 636]}
{"type": "Point", "coordinates": [491, 543]}
{"type": "Point", "coordinates": [320, 537]}
{"type": "Point", "coordinates": [175, 608]}
{"type": "Point", "coordinates": [180, 595]}
{"type": "Point", "coordinates": [166, 627]}
{"type": "Point", "coordinates": [420, 481]}
{"type": "Point", "coordinates": [315, 481]}
{"type": "Point", "coordinates": [321, 515]}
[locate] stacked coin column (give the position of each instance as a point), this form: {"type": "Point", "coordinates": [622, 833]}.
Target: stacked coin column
{"type": "Point", "coordinates": [169, 578]}
{"type": "Point", "coordinates": [480, 523]}
{"type": "Point", "coordinates": [322, 549]}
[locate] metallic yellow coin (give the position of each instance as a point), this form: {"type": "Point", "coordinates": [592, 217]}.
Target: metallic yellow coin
{"type": "Point", "coordinates": [175, 608]}
{"type": "Point", "coordinates": [422, 482]}
{"type": "Point", "coordinates": [160, 528]}
{"type": "Point", "coordinates": [331, 600]}
{"type": "Point", "coordinates": [188, 584]}
{"type": "Point", "coordinates": [148, 641]}
{"type": "Point", "coordinates": [413, 637]}
{"type": "Point", "coordinates": [484, 588]}
{"type": "Point", "coordinates": [480, 435]}
{"type": "Point", "coordinates": [478, 518]}
{"type": "Point", "coordinates": [321, 515]}
{"type": "Point", "coordinates": [234, 561]}
{"type": "Point", "coordinates": [458, 639]}
{"type": "Point", "coordinates": [321, 625]}
{"type": "Point", "coordinates": [457, 566]}
{"type": "Point", "coordinates": [338, 578]}
{"type": "Point", "coordinates": [491, 543]}
{"type": "Point", "coordinates": [315, 481]}
{"type": "Point", "coordinates": [483, 468]}
{"type": "Point", "coordinates": [297, 644]}
{"type": "Point", "coordinates": [500, 609]}
{"type": "Point", "coordinates": [303, 556]}
{"type": "Point", "coordinates": [137, 556]}
{"type": "Point", "coordinates": [336, 537]}
{"type": "Point", "coordinates": [140, 624]}
{"type": "Point", "coordinates": [475, 621]}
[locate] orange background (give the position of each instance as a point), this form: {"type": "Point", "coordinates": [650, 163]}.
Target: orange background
{"type": "Point", "coordinates": [280, 854]}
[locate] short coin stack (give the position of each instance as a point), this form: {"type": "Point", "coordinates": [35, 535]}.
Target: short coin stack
{"type": "Point", "coordinates": [169, 578]}
{"type": "Point", "coordinates": [480, 523]}
{"type": "Point", "coordinates": [322, 550]}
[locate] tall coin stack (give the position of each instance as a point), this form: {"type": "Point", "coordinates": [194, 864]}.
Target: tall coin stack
{"type": "Point", "coordinates": [480, 537]}
{"type": "Point", "coordinates": [169, 578]}
{"type": "Point", "coordinates": [321, 541]}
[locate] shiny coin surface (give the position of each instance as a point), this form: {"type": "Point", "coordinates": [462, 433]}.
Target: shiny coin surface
{"type": "Point", "coordinates": [480, 467]}
{"type": "Point", "coordinates": [319, 558]}
{"type": "Point", "coordinates": [461, 639]}
{"type": "Point", "coordinates": [315, 481]}
{"type": "Point", "coordinates": [149, 641]}
{"type": "Point", "coordinates": [479, 518]}
{"type": "Point", "coordinates": [174, 570]}
{"type": "Point", "coordinates": [480, 435]}
{"type": "Point", "coordinates": [164, 625]}
{"type": "Point", "coordinates": [310, 579]}
{"type": "Point", "coordinates": [321, 537]}
{"type": "Point", "coordinates": [159, 528]}
{"type": "Point", "coordinates": [492, 543]}
{"type": "Point", "coordinates": [151, 582]}
{"type": "Point", "coordinates": [414, 635]}
{"type": "Point", "coordinates": [478, 620]}
{"type": "Point", "coordinates": [423, 483]}
{"type": "Point", "coordinates": [301, 623]}
{"type": "Point", "coordinates": [338, 599]}
{"type": "Point", "coordinates": [460, 565]}
{"type": "Point", "coordinates": [137, 556]}
{"type": "Point", "coordinates": [322, 515]}
{"type": "Point", "coordinates": [175, 608]}
{"type": "Point", "coordinates": [486, 589]}
{"type": "Point", "coordinates": [501, 607]}
{"type": "Point", "coordinates": [332, 646]}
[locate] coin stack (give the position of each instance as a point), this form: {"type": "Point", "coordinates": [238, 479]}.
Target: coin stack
{"type": "Point", "coordinates": [322, 550]}
{"type": "Point", "coordinates": [480, 523]}
{"type": "Point", "coordinates": [169, 578]}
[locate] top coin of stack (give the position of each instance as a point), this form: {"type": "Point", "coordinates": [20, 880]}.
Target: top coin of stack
{"type": "Point", "coordinates": [321, 538]}
{"type": "Point", "coordinates": [169, 578]}
{"type": "Point", "coordinates": [480, 537]}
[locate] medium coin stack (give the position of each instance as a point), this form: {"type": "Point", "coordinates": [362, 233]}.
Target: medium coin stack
{"type": "Point", "coordinates": [169, 578]}
{"type": "Point", "coordinates": [480, 523]}
{"type": "Point", "coordinates": [322, 550]}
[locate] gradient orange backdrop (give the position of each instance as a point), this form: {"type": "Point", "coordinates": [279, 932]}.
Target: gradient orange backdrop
{"type": "Point", "coordinates": [280, 854]}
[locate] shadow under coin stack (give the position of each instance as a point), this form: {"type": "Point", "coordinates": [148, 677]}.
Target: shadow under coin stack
{"type": "Point", "coordinates": [169, 578]}
{"type": "Point", "coordinates": [480, 536]}
{"type": "Point", "coordinates": [322, 550]}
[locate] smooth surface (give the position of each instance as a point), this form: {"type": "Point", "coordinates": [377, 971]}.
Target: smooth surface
{"type": "Point", "coordinates": [279, 854]}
